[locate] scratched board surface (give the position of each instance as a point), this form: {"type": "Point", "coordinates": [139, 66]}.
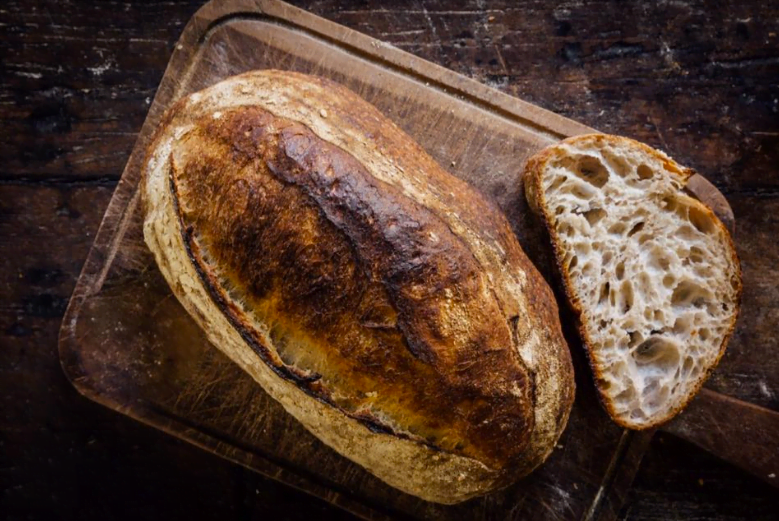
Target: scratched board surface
{"type": "Point", "coordinates": [128, 343]}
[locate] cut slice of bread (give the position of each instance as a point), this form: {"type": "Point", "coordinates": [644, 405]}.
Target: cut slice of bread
{"type": "Point", "coordinates": [651, 273]}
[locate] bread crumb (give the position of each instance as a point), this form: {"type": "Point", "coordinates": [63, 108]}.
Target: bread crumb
{"type": "Point", "coordinates": [217, 115]}
{"type": "Point", "coordinates": [650, 349]}
{"type": "Point", "coordinates": [323, 113]}
{"type": "Point", "coordinates": [772, 475]}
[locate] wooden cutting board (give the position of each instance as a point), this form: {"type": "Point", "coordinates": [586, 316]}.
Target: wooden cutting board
{"type": "Point", "coordinates": [128, 344]}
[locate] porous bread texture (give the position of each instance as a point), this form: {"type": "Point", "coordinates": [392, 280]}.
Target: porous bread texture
{"type": "Point", "coordinates": [651, 272]}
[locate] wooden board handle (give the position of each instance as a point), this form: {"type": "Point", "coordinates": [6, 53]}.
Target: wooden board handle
{"type": "Point", "coordinates": [702, 188]}
{"type": "Point", "coordinates": [741, 433]}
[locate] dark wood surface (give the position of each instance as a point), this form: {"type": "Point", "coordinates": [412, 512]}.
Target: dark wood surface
{"type": "Point", "coordinates": [76, 80]}
{"type": "Point", "coordinates": [127, 343]}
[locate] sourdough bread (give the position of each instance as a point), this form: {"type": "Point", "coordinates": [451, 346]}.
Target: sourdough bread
{"type": "Point", "coordinates": [383, 302]}
{"type": "Point", "coordinates": [650, 272]}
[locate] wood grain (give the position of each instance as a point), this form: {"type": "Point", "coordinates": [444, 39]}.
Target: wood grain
{"type": "Point", "coordinates": [163, 372]}
{"type": "Point", "coordinates": [709, 100]}
{"type": "Point", "coordinates": [743, 433]}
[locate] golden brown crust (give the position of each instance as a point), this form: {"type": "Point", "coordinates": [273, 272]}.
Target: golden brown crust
{"type": "Point", "coordinates": [346, 264]}
{"type": "Point", "coordinates": [363, 274]}
{"type": "Point", "coordinates": [532, 179]}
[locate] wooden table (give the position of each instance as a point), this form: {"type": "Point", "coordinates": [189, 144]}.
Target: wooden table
{"type": "Point", "coordinates": [76, 80]}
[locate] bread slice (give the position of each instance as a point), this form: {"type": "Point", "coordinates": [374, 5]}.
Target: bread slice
{"type": "Point", "coordinates": [651, 272]}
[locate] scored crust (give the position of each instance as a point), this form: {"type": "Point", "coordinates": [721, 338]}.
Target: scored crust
{"type": "Point", "coordinates": [631, 198]}
{"type": "Point", "coordinates": [384, 303]}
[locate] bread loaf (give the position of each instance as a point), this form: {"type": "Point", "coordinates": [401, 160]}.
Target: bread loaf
{"type": "Point", "coordinates": [383, 302]}
{"type": "Point", "coordinates": [650, 271]}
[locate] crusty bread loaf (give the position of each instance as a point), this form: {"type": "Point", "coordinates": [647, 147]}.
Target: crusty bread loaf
{"type": "Point", "coordinates": [650, 271]}
{"type": "Point", "coordinates": [383, 302]}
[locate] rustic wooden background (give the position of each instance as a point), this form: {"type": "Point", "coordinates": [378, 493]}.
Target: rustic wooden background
{"type": "Point", "coordinates": [698, 79]}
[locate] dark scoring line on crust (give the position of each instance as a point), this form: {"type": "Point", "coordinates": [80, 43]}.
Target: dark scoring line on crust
{"type": "Point", "coordinates": [311, 385]}
{"type": "Point", "coordinates": [397, 191]}
{"type": "Point", "coordinates": [438, 194]}
{"type": "Point", "coordinates": [365, 416]}
{"type": "Point", "coordinates": [433, 212]}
